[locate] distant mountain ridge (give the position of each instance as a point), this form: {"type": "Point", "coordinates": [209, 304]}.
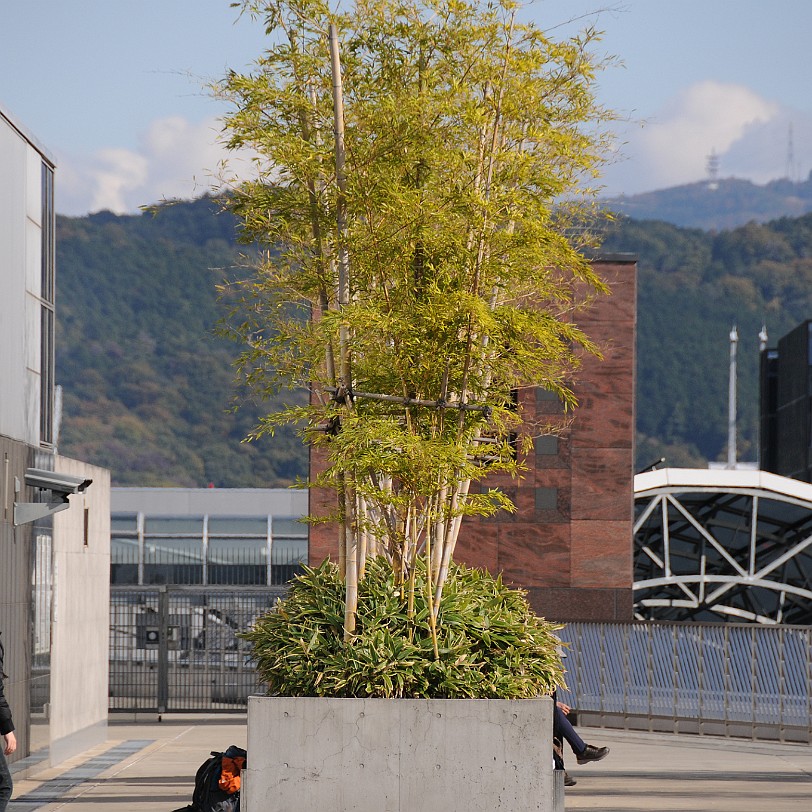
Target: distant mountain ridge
{"type": "Point", "coordinates": [722, 204]}
{"type": "Point", "coordinates": [149, 390]}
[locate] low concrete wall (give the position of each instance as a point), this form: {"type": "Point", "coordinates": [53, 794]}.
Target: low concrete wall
{"type": "Point", "coordinates": [400, 755]}
{"type": "Point", "coordinates": [80, 651]}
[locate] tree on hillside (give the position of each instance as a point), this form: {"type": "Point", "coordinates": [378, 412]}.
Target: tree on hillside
{"type": "Point", "coordinates": [423, 176]}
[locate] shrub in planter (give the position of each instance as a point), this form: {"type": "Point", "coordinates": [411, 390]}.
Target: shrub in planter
{"type": "Point", "coordinates": [421, 200]}
{"type": "Point", "coordinates": [490, 644]}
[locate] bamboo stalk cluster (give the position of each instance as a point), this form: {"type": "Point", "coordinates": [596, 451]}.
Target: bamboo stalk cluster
{"type": "Point", "coordinates": [415, 163]}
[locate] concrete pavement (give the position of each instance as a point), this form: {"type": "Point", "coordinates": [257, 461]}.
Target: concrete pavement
{"type": "Point", "coordinates": [658, 772]}
{"type": "Point", "coordinates": [144, 765]}
{"type": "Point", "coordinates": [150, 765]}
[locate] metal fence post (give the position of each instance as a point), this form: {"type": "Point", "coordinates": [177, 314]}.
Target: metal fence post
{"type": "Point", "coordinates": [626, 671]}
{"type": "Point", "coordinates": [781, 684]}
{"type": "Point", "coordinates": [579, 661]}
{"type": "Point", "coordinates": [602, 672]}
{"type": "Point", "coordinates": [163, 650]}
{"type": "Point", "coordinates": [650, 667]}
{"type": "Point", "coordinates": [677, 676]}
{"type": "Point", "coordinates": [808, 685]}
{"type": "Point", "coordinates": [753, 678]}
{"type": "Point", "coordinates": [700, 687]}
{"type": "Point", "coordinates": [726, 653]}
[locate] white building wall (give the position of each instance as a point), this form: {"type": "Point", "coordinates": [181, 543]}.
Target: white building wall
{"type": "Point", "coordinates": [217, 501]}
{"type": "Point", "coordinates": [12, 282]}
{"type": "Point", "coordinates": [80, 564]}
{"type": "Point", "coordinates": [21, 162]}
{"type": "Point", "coordinates": [81, 615]}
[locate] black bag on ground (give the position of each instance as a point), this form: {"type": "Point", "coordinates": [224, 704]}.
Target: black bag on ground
{"type": "Point", "coordinates": [214, 782]}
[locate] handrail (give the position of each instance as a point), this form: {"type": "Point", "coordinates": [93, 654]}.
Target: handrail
{"type": "Point", "coordinates": [707, 678]}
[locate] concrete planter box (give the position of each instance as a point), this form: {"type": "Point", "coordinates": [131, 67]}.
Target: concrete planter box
{"type": "Point", "coordinates": [400, 755]}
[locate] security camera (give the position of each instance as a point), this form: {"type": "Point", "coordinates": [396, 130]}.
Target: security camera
{"type": "Point", "coordinates": [62, 484]}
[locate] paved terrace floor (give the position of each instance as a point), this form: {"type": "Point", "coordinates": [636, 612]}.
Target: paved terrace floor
{"type": "Point", "coordinates": [146, 765]}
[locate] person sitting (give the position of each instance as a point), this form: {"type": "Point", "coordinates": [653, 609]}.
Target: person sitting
{"type": "Point", "coordinates": [564, 731]}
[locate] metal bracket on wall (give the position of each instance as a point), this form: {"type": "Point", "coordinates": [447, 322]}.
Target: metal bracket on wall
{"type": "Point", "coordinates": [25, 512]}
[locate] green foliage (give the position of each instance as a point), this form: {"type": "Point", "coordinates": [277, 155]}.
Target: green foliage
{"type": "Point", "coordinates": [462, 131]}
{"type": "Point", "coordinates": [491, 644]}
{"type": "Point", "coordinates": [692, 287]}
{"type": "Point", "coordinates": [148, 389]}
{"type": "Point", "coordinates": [412, 200]}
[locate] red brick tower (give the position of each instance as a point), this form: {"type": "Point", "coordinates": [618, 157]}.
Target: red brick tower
{"type": "Point", "coordinates": [569, 543]}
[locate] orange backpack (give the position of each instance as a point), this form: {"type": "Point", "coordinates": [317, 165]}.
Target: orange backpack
{"type": "Point", "coordinates": [230, 773]}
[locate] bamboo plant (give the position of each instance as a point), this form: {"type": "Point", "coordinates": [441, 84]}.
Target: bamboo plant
{"type": "Point", "coordinates": [422, 189]}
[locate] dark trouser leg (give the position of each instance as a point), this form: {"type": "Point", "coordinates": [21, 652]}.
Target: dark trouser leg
{"type": "Point", "coordinates": [563, 729]}
{"type": "Point", "coordinates": [5, 782]}
{"type": "Point", "coordinates": [558, 754]}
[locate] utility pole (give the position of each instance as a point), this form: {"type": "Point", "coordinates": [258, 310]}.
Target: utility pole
{"type": "Point", "coordinates": [731, 414]}
{"type": "Point", "coordinates": [763, 338]}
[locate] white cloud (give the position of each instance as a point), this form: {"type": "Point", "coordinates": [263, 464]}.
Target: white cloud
{"type": "Point", "coordinates": [119, 172]}
{"type": "Point", "coordinates": [775, 149]}
{"type": "Point", "coordinates": [672, 148]}
{"type": "Point", "coordinates": [175, 158]}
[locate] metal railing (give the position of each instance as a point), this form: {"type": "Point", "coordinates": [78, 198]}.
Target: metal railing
{"type": "Point", "coordinates": [175, 648]}
{"type": "Point", "coordinates": [721, 679]}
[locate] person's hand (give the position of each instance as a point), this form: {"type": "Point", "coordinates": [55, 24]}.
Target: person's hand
{"type": "Point", "coordinates": [11, 743]}
{"type": "Point", "coordinates": [565, 709]}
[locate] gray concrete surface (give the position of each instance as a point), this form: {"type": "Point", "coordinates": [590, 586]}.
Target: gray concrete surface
{"type": "Point", "coordinates": [671, 773]}
{"type": "Point", "coordinates": [406, 755]}
{"type": "Point", "coordinates": [145, 765]}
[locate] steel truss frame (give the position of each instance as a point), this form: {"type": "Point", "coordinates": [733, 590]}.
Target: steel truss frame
{"type": "Point", "coordinates": [711, 553]}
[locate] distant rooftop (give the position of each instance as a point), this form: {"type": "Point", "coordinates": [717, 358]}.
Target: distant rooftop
{"type": "Point", "coordinates": [27, 135]}
{"type": "Point", "coordinates": [721, 479]}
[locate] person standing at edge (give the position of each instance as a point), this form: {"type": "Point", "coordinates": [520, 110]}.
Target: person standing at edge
{"type": "Point", "coordinates": [9, 741]}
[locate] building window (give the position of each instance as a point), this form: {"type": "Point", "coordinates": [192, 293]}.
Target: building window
{"type": "Point", "coordinates": [546, 499]}
{"type": "Point", "coordinates": [234, 560]}
{"type": "Point", "coordinates": [543, 394]}
{"type": "Point", "coordinates": [173, 550]}
{"type": "Point", "coordinates": [48, 230]}
{"type": "Point", "coordinates": [47, 296]}
{"type": "Point", "coordinates": [42, 592]}
{"type": "Point", "coordinates": [221, 550]}
{"type": "Point", "coordinates": [546, 445]}
{"type": "Point", "coordinates": [173, 560]}
{"type": "Point", "coordinates": [124, 560]}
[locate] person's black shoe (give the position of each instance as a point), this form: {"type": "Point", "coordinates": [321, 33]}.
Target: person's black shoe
{"type": "Point", "coordinates": [569, 781]}
{"type": "Point", "coordinates": [592, 753]}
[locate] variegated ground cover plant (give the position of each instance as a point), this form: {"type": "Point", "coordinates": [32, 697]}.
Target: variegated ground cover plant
{"type": "Point", "coordinates": [490, 644]}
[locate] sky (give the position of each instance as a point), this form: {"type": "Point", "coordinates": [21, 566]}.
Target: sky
{"type": "Point", "coordinates": [115, 90]}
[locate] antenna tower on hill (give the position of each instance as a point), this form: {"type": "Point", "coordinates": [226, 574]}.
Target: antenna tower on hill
{"type": "Point", "coordinates": [712, 168]}
{"type": "Point", "coordinates": [792, 169]}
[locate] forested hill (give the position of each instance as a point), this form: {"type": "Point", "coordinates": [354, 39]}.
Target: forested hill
{"type": "Point", "coordinates": [147, 387]}
{"type": "Point", "coordinates": [693, 286]}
